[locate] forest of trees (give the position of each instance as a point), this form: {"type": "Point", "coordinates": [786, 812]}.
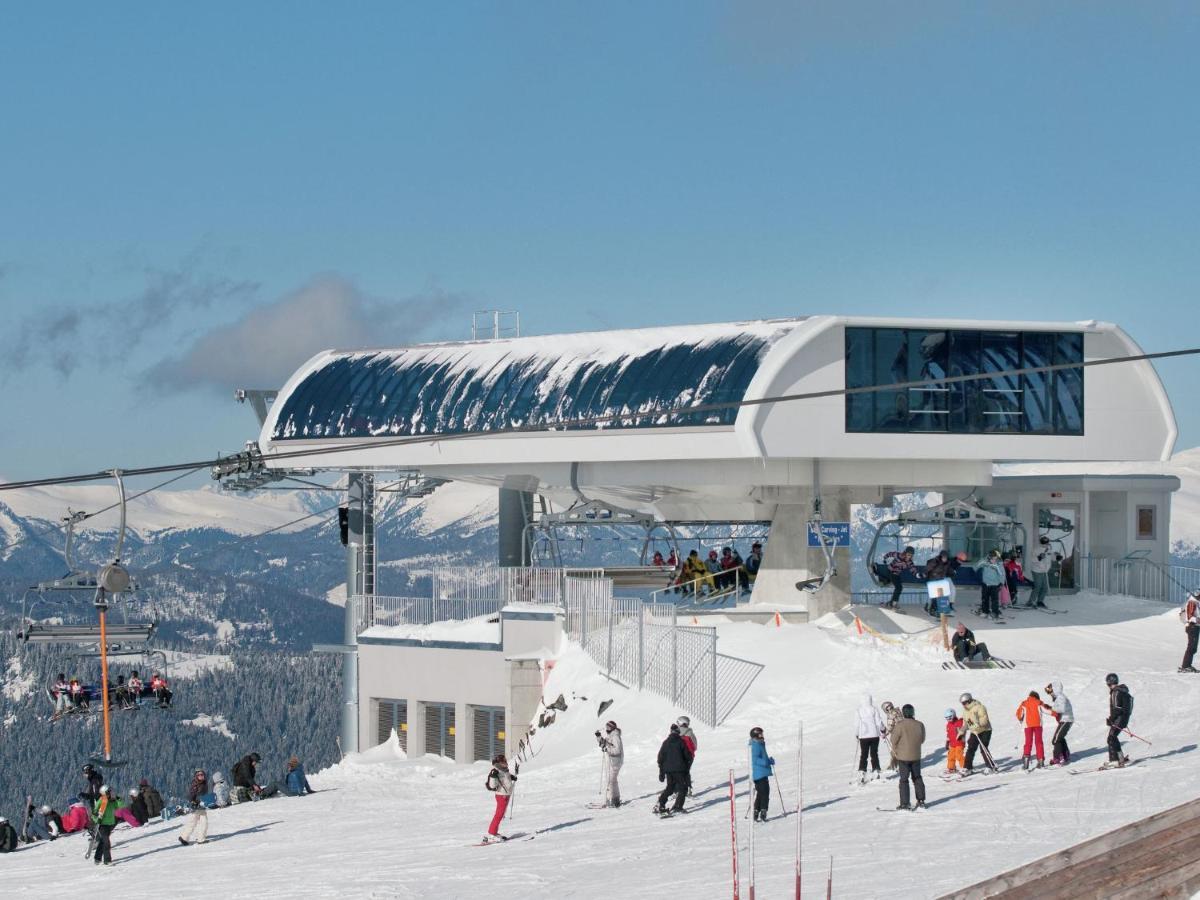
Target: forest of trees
{"type": "Point", "coordinates": [277, 704]}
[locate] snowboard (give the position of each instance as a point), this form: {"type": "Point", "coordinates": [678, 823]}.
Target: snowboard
{"type": "Point", "coordinates": [994, 662]}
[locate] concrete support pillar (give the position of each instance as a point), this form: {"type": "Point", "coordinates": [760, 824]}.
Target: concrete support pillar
{"type": "Point", "coordinates": [516, 511]}
{"type": "Point", "coordinates": [787, 559]}
{"type": "Point", "coordinates": [524, 696]}
{"type": "Point", "coordinates": [464, 733]}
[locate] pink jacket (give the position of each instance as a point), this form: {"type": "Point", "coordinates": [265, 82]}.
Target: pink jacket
{"type": "Point", "coordinates": [75, 819]}
{"type": "Point", "coordinates": [126, 815]}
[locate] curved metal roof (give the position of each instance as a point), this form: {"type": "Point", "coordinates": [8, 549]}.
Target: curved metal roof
{"type": "Point", "coordinates": [655, 376]}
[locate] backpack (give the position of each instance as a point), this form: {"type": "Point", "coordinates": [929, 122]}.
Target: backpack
{"type": "Point", "coordinates": [493, 781]}
{"type": "Point", "coordinates": [1183, 610]}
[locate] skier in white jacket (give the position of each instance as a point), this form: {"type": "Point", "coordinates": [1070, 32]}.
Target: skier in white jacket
{"type": "Point", "coordinates": [613, 749]}
{"type": "Point", "coordinates": [1064, 715]}
{"type": "Point", "coordinates": [869, 728]}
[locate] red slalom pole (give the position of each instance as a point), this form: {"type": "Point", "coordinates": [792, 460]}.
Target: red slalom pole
{"type": "Point", "coordinates": [750, 804]}
{"type": "Point", "coordinates": [799, 802]}
{"type": "Point", "coordinates": [733, 836]}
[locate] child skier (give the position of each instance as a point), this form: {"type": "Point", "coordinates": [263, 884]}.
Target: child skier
{"type": "Point", "coordinates": [1060, 708]}
{"type": "Point", "coordinates": [501, 782]}
{"type": "Point", "coordinates": [955, 744]}
{"type": "Point", "coordinates": [760, 771]}
{"type": "Point", "coordinates": [1030, 713]}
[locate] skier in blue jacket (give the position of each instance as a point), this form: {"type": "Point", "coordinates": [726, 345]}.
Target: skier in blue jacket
{"type": "Point", "coordinates": [761, 766]}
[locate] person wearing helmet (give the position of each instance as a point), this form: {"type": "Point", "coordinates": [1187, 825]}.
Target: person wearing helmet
{"type": "Point", "coordinates": [502, 783]}
{"type": "Point", "coordinates": [1120, 709]}
{"type": "Point", "coordinates": [613, 750]}
{"type": "Point", "coordinates": [909, 735]}
{"type": "Point", "coordinates": [1044, 558]}
{"type": "Point", "coordinates": [979, 727]}
{"type": "Point", "coordinates": [761, 766]}
{"type": "Point", "coordinates": [674, 763]}
{"type": "Point", "coordinates": [1064, 715]}
{"type": "Point", "coordinates": [91, 792]}
{"type": "Point", "coordinates": [869, 727]}
{"type": "Point", "coordinates": [104, 817]}
{"type": "Point", "coordinates": [898, 564]}
{"type": "Point", "coordinates": [137, 807]}
{"type": "Point", "coordinates": [35, 826]}
{"type": "Point", "coordinates": [955, 741]}
{"type": "Point", "coordinates": [52, 820]}
{"type": "Point", "coordinates": [689, 738]}
{"type": "Point", "coordinates": [992, 577]}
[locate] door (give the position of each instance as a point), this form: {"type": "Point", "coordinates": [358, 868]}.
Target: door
{"type": "Point", "coordinates": [1060, 523]}
{"type": "Point", "coordinates": [393, 714]}
{"type": "Point", "coordinates": [489, 732]}
{"type": "Point", "coordinates": [439, 729]}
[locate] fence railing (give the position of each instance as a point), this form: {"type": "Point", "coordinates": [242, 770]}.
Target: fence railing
{"type": "Point", "coordinates": [709, 589]}
{"type": "Point", "coordinates": [428, 610]}
{"type": "Point", "coordinates": [642, 646]}
{"type": "Point", "coordinates": [1138, 577]}
{"type": "Point", "coordinates": [509, 584]}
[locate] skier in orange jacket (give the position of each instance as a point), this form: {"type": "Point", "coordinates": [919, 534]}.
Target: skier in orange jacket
{"type": "Point", "coordinates": [1030, 713]}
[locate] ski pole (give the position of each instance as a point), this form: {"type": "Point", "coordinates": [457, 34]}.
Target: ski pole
{"type": "Point", "coordinates": [1132, 735]}
{"type": "Point", "coordinates": [778, 787]}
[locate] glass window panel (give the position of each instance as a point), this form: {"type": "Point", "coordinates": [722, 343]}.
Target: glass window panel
{"type": "Point", "coordinates": [860, 366]}
{"type": "Point", "coordinates": [1068, 385]}
{"type": "Point", "coordinates": [1037, 387]}
{"type": "Point", "coordinates": [965, 398]}
{"type": "Point", "coordinates": [891, 364]}
{"type": "Point", "coordinates": [1001, 400]}
{"type": "Point", "coordinates": [928, 405]}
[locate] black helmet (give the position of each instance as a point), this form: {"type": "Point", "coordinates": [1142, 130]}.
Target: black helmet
{"type": "Point", "coordinates": [907, 711]}
{"type": "Point", "coordinates": [1043, 539]}
{"type": "Point", "coordinates": [256, 757]}
{"type": "Point", "coordinates": [909, 550]}
{"type": "Point", "coordinates": [1111, 678]}
{"type": "Point", "coordinates": [756, 732]}
{"type": "Point", "coordinates": [610, 725]}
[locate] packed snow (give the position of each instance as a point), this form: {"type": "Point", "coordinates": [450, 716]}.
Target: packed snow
{"type": "Point", "coordinates": [483, 629]}
{"type": "Point", "coordinates": [385, 826]}
{"type": "Point", "coordinates": [213, 723]}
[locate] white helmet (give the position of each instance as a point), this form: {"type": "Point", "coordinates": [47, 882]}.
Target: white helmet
{"type": "Point", "coordinates": [45, 807]}
{"type": "Point", "coordinates": [683, 722]}
{"type": "Point", "coordinates": [104, 788]}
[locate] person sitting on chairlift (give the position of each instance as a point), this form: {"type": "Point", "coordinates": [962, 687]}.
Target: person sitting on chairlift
{"type": "Point", "coordinates": [899, 562]}
{"type": "Point", "coordinates": [79, 697]}
{"type": "Point", "coordinates": [162, 693]}
{"type": "Point", "coordinates": [121, 691]}
{"type": "Point", "coordinates": [135, 688]}
{"type": "Point", "coordinates": [61, 691]}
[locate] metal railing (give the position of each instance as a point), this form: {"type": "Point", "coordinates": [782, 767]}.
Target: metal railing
{"type": "Point", "coordinates": [1138, 577]}
{"type": "Point", "coordinates": [428, 610]}
{"type": "Point", "coordinates": [510, 584]}
{"type": "Point", "coordinates": [642, 646]}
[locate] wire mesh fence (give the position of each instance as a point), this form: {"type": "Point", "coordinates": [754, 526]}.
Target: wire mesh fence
{"type": "Point", "coordinates": [428, 610]}
{"type": "Point", "coordinates": [643, 646]}
{"type": "Point", "coordinates": [509, 584]}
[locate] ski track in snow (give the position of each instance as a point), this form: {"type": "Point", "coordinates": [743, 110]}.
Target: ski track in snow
{"type": "Point", "coordinates": [384, 826]}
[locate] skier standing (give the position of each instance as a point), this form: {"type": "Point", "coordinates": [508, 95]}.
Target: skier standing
{"type": "Point", "coordinates": [1029, 713]}
{"type": "Point", "coordinates": [869, 728]}
{"type": "Point", "coordinates": [760, 771]}
{"type": "Point", "coordinates": [908, 737]}
{"type": "Point", "coordinates": [195, 831]}
{"type": "Point", "coordinates": [689, 738]}
{"type": "Point", "coordinates": [1040, 569]}
{"type": "Point", "coordinates": [1120, 708]}
{"type": "Point", "coordinates": [154, 800]}
{"type": "Point", "coordinates": [954, 741]}
{"type": "Point", "coordinates": [91, 793]}
{"type": "Point", "coordinates": [674, 761]}
{"type": "Point", "coordinates": [892, 717]}
{"type": "Point", "coordinates": [613, 749]}
{"type": "Point", "coordinates": [1060, 708]}
{"type": "Point", "coordinates": [979, 725]}
{"type": "Point", "coordinates": [501, 782]}
{"type": "Point", "coordinates": [992, 575]}
{"type": "Point", "coordinates": [1191, 624]}
{"type": "Point", "coordinates": [105, 819]}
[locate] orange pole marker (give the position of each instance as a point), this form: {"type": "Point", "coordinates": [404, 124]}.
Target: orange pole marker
{"type": "Point", "coordinates": [104, 686]}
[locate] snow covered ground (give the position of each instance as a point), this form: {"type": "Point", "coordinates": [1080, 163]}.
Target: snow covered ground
{"type": "Point", "coordinates": [383, 826]}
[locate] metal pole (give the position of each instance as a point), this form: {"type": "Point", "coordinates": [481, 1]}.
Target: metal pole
{"type": "Point", "coordinates": [612, 612]}
{"type": "Point", "coordinates": [641, 656]}
{"type": "Point", "coordinates": [733, 836]}
{"type": "Point", "coordinates": [674, 663]}
{"type": "Point", "coordinates": [799, 802]}
{"type": "Point", "coordinates": [750, 809]}
{"type": "Point", "coordinates": [713, 652]}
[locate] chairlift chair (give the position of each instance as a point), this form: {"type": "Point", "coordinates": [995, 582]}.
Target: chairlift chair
{"type": "Point", "coordinates": [958, 520]}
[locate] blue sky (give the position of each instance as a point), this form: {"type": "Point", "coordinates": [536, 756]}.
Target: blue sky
{"type": "Point", "coordinates": [190, 194]}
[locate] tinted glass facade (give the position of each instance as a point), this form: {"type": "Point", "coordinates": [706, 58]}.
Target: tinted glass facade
{"type": "Point", "coordinates": [478, 388]}
{"type": "Point", "coordinates": [1041, 403]}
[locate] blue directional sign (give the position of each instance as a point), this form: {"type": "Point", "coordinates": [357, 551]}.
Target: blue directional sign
{"type": "Point", "coordinates": [838, 532]}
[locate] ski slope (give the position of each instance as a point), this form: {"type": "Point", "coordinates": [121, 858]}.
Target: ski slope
{"type": "Point", "coordinates": [383, 826]}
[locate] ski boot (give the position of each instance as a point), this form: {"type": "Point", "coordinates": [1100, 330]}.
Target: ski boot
{"type": "Point", "coordinates": [862, 777]}
{"type": "Point", "coordinates": [876, 775]}
{"type": "Point", "coordinates": [920, 807]}
{"type": "Point", "coordinates": [1186, 669]}
{"type": "Point", "coordinates": [904, 806]}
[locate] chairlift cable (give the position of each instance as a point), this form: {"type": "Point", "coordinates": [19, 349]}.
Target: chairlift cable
{"type": "Point", "coordinates": [608, 418]}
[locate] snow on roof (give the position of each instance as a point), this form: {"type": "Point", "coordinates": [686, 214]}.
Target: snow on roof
{"type": "Point", "coordinates": [477, 630]}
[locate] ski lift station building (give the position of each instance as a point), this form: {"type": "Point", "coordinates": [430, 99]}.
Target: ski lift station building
{"type": "Point", "coordinates": [694, 424]}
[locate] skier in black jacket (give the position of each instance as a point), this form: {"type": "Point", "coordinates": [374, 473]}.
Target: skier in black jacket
{"type": "Point", "coordinates": [244, 777]}
{"type": "Point", "coordinates": [674, 760]}
{"type": "Point", "coordinates": [137, 806]}
{"type": "Point", "coordinates": [53, 822]}
{"type": "Point", "coordinates": [154, 800]}
{"type": "Point", "coordinates": [8, 836]}
{"type": "Point", "coordinates": [1120, 708]}
{"type": "Point", "coordinates": [91, 793]}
